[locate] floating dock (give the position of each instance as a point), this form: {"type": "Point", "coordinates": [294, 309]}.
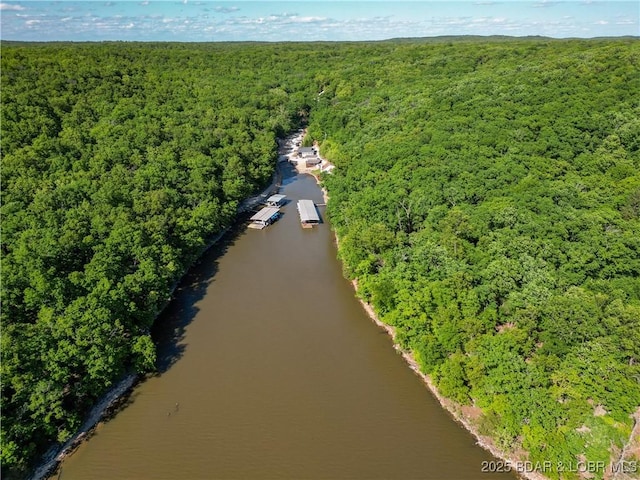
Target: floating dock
{"type": "Point", "coordinates": [264, 217]}
{"type": "Point", "coordinates": [308, 213]}
{"type": "Point", "coordinates": [276, 200]}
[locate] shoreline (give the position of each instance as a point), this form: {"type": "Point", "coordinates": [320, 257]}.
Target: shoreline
{"type": "Point", "coordinates": [108, 403]}
{"type": "Point", "coordinates": [517, 466]}
{"type": "Point", "coordinates": [52, 459]}
{"type": "Point", "coordinates": [455, 410]}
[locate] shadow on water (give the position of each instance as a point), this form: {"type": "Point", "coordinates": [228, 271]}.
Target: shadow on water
{"type": "Point", "coordinates": [168, 330]}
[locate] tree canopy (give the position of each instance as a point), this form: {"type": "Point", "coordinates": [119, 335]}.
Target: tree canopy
{"type": "Point", "coordinates": [120, 162]}
{"type": "Point", "coordinates": [486, 197]}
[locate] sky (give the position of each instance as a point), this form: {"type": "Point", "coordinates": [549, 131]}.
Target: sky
{"type": "Point", "coordinates": [310, 20]}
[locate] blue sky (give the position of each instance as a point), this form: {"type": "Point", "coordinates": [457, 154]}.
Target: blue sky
{"type": "Point", "coordinates": [191, 20]}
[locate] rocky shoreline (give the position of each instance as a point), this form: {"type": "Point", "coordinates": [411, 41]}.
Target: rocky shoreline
{"type": "Point", "coordinates": [516, 465]}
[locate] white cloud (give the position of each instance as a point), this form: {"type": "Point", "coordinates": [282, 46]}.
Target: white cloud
{"type": "Point", "coordinates": [277, 20]}
{"type": "Point", "coordinates": [226, 9]}
{"type": "Point", "coordinates": [602, 22]}
{"type": "Point", "coordinates": [305, 24]}
{"type": "Point", "coordinates": [11, 6]}
{"type": "Point", "coordinates": [306, 19]}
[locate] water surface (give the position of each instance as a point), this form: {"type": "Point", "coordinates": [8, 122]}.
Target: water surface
{"type": "Point", "coordinates": [271, 369]}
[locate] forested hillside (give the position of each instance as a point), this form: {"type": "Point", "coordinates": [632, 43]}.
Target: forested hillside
{"type": "Point", "coordinates": [486, 197]}
{"type": "Point", "coordinates": [119, 163]}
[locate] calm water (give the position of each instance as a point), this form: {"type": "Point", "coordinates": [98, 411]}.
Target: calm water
{"type": "Point", "coordinates": [272, 370]}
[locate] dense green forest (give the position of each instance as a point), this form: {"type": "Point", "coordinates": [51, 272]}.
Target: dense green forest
{"type": "Point", "coordinates": [486, 197]}
{"type": "Point", "coordinates": [119, 163]}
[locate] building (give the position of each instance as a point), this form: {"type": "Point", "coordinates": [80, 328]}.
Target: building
{"type": "Point", "coordinates": [312, 162]}
{"type": "Point", "coordinates": [264, 217]}
{"type": "Point", "coordinates": [276, 200]}
{"type": "Point", "coordinates": [306, 152]}
{"type": "Point", "coordinates": [308, 213]}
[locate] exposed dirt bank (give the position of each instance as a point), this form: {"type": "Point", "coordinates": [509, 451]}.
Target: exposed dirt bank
{"type": "Point", "coordinates": [462, 414]}
{"type": "Point", "coordinates": [627, 466]}
{"type": "Point", "coordinates": [55, 455]}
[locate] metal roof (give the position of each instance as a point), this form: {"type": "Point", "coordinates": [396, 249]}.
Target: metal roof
{"type": "Point", "coordinates": [307, 150]}
{"type": "Point", "coordinates": [308, 212]}
{"type": "Point", "coordinates": [276, 198]}
{"type": "Point", "coordinates": [266, 214]}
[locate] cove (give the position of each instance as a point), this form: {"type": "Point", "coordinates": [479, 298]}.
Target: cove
{"type": "Point", "coordinates": [271, 369]}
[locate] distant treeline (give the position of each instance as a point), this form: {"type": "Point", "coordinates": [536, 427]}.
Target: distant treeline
{"type": "Point", "coordinates": [487, 198]}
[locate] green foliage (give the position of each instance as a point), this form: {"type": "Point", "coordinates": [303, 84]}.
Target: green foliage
{"type": "Point", "coordinates": [486, 196]}
{"type": "Point", "coordinates": [120, 162]}
{"type": "Point", "coordinates": [145, 353]}
{"type": "Point", "coordinates": [451, 378]}
{"type": "Point", "coordinates": [486, 199]}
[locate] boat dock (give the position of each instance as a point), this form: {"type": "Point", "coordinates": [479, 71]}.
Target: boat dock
{"type": "Point", "coordinates": [308, 213]}
{"type": "Point", "coordinates": [264, 217]}
{"type": "Point", "coordinates": [276, 200]}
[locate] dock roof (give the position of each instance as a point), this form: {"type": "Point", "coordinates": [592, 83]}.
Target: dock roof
{"type": "Point", "coordinates": [308, 212]}
{"type": "Point", "coordinates": [276, 198]}
{"type": "Point", "coordinates": [266, 214]}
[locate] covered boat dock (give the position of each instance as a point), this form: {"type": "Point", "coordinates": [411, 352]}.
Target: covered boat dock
{"type": "Point", "coordinates": [276, 200]}
{"type": "Point", "coordinates": [264, 217]}
{"type": "Point", "coordinates": [308, 213]}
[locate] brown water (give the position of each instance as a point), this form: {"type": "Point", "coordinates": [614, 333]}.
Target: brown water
{"type": "Point", "coordinates": [272, 370]}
